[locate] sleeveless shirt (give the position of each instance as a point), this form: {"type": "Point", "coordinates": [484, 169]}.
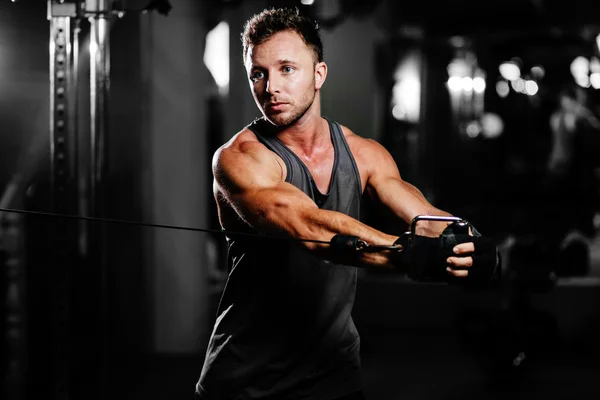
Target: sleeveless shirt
{"type": "Point", "coordinates": [284, 328]}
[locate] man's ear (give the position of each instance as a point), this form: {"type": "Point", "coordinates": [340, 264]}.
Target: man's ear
{"type": "Point", "coordinates": [320, 74]}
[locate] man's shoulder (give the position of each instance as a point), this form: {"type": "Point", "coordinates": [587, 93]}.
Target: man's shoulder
{"type": "Point", "coordinates": [359, 144]}
{"type": "Point", "coordinates": [242, 145]}
{"type": "Point", "coordinates": [239, 141]}
{"type": "Point", "coordinates": [248, 133]}
{"type": "Point", "coordinates": [244, 156]}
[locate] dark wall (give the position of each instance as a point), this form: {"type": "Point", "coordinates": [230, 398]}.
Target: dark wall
{"type": "Point", "coordinates": [24, 89]}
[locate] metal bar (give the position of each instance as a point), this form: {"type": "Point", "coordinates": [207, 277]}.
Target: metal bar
{"type": "Point", "coordinates": [99, 87]}
{"type": "Point", "coordinates": [62, 169]}
{"type": "Point", "coordinates": [439, 218]}
{"type": "Point", "coordinates": [65, 50]}
{"type": "Point", "coordinates": [100, 7]}
{"type": "Point", "coordinates": [99, 11]}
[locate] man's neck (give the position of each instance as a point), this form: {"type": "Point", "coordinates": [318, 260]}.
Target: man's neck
{"type": "Point", "coordinates": [308, 135]}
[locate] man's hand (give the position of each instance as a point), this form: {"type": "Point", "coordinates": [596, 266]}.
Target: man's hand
{"type": "Point", "coordinates": [463, 258]}
{"type": "Point", "coordinates": [459, 265]}
{"type": "Point", "coordinates": [476, 261]}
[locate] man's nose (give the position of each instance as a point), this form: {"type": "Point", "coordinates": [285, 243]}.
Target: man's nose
{"type": "Point", "coordinates": [273, 85]}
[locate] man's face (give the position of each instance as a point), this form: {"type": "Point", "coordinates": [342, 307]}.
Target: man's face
{"type": "Point", "coordinates": [281, 73]}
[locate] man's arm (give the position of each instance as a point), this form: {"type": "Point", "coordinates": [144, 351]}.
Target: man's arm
{"type": "Point", "coordinates": [403, 199]}
{"type": "Point", "coordinates": [251, 180]}
{"type": "Point", "coordinates": [406, 201]}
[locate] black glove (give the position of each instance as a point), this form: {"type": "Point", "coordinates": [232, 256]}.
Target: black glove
{"type": "Point", "coordinates": [486, 266]}
{"type": "Point", "coordinates": [426, 257]}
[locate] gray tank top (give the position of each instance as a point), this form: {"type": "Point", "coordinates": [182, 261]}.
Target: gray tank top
{"type": "Point", "coordinates": [284, 328]}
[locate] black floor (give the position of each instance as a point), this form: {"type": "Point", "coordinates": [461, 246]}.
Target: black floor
{"type": "Point", "coordinates": [397, 366]}
{"type": "Point", "coordinates": [432, 342]}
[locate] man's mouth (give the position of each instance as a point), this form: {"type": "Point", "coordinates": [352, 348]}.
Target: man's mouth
{"type": "Point", "coordinates": [276, 106]}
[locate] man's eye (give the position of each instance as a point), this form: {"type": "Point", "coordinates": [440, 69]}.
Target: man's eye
{"type": "Point", "coordinates": [256, 76]}
{"type": "Point", "coordinates": [288, 70]}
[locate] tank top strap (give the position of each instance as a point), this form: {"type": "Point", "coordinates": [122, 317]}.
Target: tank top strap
{"type": "Point", "coordinates": [346, 160]}
{"type": "Point", "coordinates": [266, 135]}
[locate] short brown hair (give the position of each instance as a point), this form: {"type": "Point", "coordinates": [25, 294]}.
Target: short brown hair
{"type": "Point", "coordinates": [262, 26]}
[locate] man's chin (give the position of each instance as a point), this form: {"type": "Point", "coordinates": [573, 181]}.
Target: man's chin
{"type": "Point", "coordinates": [278, 120]}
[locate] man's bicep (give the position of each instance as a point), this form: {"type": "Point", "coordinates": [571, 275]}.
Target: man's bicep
{"type": "Point", "coordinates": [238, 170]}
{"type": "Point", "coordinates": [256, 191]}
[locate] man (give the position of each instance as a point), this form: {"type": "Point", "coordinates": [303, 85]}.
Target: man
{"type": "Point", "coordinates": [284, 329]}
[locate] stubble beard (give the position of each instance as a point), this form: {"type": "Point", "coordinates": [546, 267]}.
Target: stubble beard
{"type": "Point", "coordinates": [283, 120]}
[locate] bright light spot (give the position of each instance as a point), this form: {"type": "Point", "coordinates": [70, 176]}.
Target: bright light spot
{"type": "Point", "coordinates": [466, 83]}
{"type": "Point", "coordinates": [399, 112]}
{"type": "Point", "coordinates": [406, 92]}
{"type": "Point", "coordinates": [307, 2]}
{"type": "Point", "coordinates": [510, 71]}
{"type": "Point", "coordinates": [594, 65]}
{"type": "Point", "coordinates": [454, 84]}
{"type": "Point", "coordinates": [409, 86]}
{"type": "Point", "coordinates": [583, 81]}
{"type": "Point", "coordinates": [595, 80]}
{"type": "Point", "coordinates": [598, 42]}
{"type": "Point", "coordinates": [479, 84]}
{"type": "Point", "coordinates": [531, 88]}
{"type": "Point", "coordinates": [216, 54]}
{"type": "Point", "coordinates": [518, 85]}
{"type": "Point", "coordinates": [492, 125]}
{"type": "Point", "coordinates": [580, 66]}
{"type": "Point", "coordinates": [458, 67]}
{"type": "Point", "coordinates": [473, 130]}
{"type": "Point", "coordinates": [502, 88]}
{"type": "Point", "coordinates": [538, 72]}
{"type": "Point", "coordinates": [93, 48]}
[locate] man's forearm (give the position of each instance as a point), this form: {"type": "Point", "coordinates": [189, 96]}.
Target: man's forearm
{"type": "Point", "coordinates": [433, 228]}
{"type": "Point", "coordinates": [316, 224]}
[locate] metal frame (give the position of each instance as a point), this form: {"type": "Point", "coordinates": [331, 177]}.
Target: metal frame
{"type": "Point", "coordinates": [65, 18]}
{"type": "Point", "coordinates": [62, 155]}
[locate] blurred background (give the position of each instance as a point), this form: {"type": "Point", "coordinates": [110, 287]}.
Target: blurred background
{"type": "Point", "coordinates": [112, 110]}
